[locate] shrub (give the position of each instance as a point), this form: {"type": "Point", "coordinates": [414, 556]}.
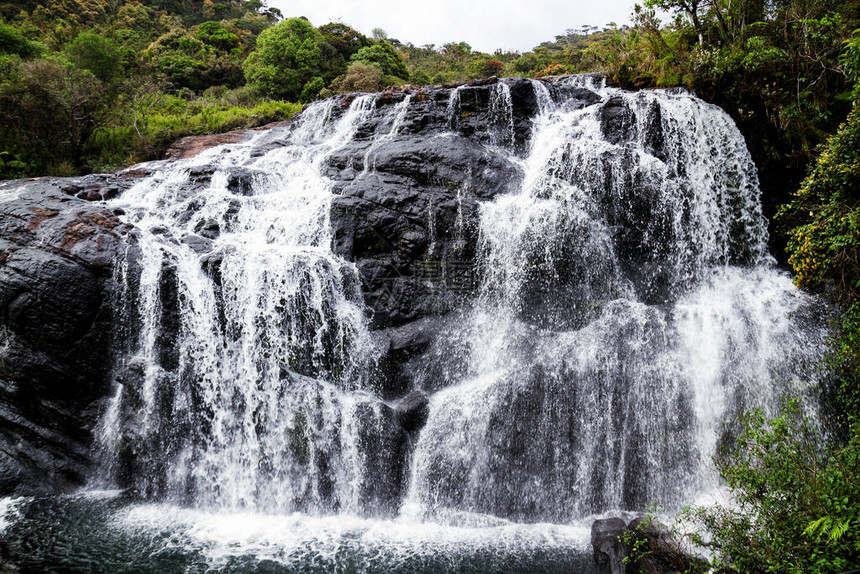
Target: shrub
{"type": "Point", "coordinates": [287, 58]}
{"type": "Point", "coordinates": [359, 77]}
{"type": "Point", "coordinates": [824, 242]}
{"type": "Point", "coordinates": [384, 55]}
{"type": "Point", "coordinates": [797, 509]}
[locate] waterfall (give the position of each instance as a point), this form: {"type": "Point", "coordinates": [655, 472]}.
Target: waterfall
{"type": "Point", "coordinates": [627, 311]}
{"type": "Point", "coordinates": [243, 383]}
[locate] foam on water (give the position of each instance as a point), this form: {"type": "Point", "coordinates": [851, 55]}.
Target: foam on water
{"type": "Point", "coordinates": [9, 512]}
{"type": "Point", "coordinates": [336, 540]}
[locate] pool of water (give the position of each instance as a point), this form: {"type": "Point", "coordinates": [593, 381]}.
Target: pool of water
{"type": "Point", "coordinates": [103, 532]}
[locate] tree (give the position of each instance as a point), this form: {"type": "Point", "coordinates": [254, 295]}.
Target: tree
{"type": "Point", "coordinates": [145, 93]}
{"type": "Point", "coordinates": [386, 56]}
{"type": "Point", "coordinates": [288, 56]}
{"type": "Point", "coordinates": [690, 8]}
{"type": "Point", "coordinates": [12, 41]}
{"type": "Point", "coordinates": [97, 54]}
{"type": "Point", "coordinates": [342, 42]}
{"type": "Point", "coordinates": [49, 109]}
{"type": "Point", "coordinates": [214, 34]}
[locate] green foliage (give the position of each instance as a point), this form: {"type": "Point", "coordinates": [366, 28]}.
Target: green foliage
{"type": "Point", "coordinates": [12, 166]}
{"type": "Point", "coordinates": [454, 62]}
{"type": "Point", "coordinates": [96, 54]}
{"type": "Point", "coordinates": [116, 82]}
{"type": "Point", "coordinates": [345, 40]}
{"type": "Point", "coordinates": [824, 240]}
{"type": "Point", "coordinates": [288, 56]}
{"type": "Point", "coordinates": [48, 110]}
{"type": "Point", "coordinates": [386, 57]}
{"type": "Point", "coordinates": [796, 499]}
{"type": "Point", "coordinates": [850, 60]}
{"type": "Point", "coordinates": [214, 34]}
{"type": "Point", "coordinates": [359, 77]}
{"type": "Point", "coordinates": [12, 41]}
{"type": "Point", "coordinates": [312, 89]}
{"type": "Point", "coordinates": [168, 118]}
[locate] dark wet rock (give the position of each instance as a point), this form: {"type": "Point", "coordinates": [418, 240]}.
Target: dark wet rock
{"type": "Point", "coordinates": [653, 549]}
{"type": "Point", "coordinates": [407, 207]}
{"type": "Point", "coordinates": [101, 186]}
{"type": "Point", "coordinates": [199, 244]}
{"type": "Point", "coordinates": [642, 547]}
{"type": "Point", "coordinates": [208, 229]}
{"type": "Point", "coordinates": [241, 181]}
{"type": "Point", "coordinates": [401, 347]}
{"type": "Point", "coordinates": [412, 411]}
{"type": "Point", "coordinates": [617, 121]}
{"type": "Point", "coordinates": [654, 140]}
{"type": "Point", "coordinates": [609, 551]}
{"type": "Point", "coordinates": [56, 255]}
{"type": "Point", "coordinates": [383, 443]}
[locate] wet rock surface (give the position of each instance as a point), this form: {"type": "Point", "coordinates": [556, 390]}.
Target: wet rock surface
{"type": "Point", "coordinates": [408, 191]}
{"type": "Point", "coordinates": [609, 550]}
{"type": "Point", "coordinates": [644, 546]}
{"type": "Point", "coordinates": [190, 146]}
{"type": "Point", "coordinates": [56, 256]}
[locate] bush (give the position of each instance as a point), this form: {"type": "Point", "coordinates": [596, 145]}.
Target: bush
{"type": "Point", "coordinates": [824, 242]}
{"type": "Point", "coordinates": [384, 55]}
{"type": "Point", "coordinates": [287, 58]}
{"type": "Point", "coordinates": [311, 90]}
{"type": "Point", "coordinates": [797, 500]}
{"type": "Point", "coordinates": [359, 77]}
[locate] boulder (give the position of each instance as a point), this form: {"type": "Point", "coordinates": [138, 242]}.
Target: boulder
{"type": "Point", "coordinates": [413, 410]}
{"type": "Point", "coordinates": [654, 549]}
{"type": "Point", "coordinates": [609, 551]}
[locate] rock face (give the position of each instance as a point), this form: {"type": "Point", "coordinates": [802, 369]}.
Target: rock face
{"type": "Point", "coordinates": [190, 146]}
{"type": "Point", "coordinates": [648, 547]}
{"type": "Point", "coordinates": [56, 256]}
{"type": "Point", "coordinates": [408, 187]}
{"type": "Point", "coordinates": [409, 223]}
{"type": "Point", "coordinates": [609, 551]}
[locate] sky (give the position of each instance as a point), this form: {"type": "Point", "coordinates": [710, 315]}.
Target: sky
{"type": "Point", "coordinates": [486, 25]}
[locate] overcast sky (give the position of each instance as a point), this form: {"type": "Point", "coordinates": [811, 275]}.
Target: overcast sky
{"type": "Point", "coordinates": [484, 24]}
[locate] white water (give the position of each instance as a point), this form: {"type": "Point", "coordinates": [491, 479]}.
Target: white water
{"type": "Point", "coordinates": [333, 540]}
{"type": "Point", "coordinates": [253, 405]}
{"type": "Point", "coordinates": [628, 310]}
{"type": "Point", "coordinates": [614, 336]}
{"type": "Point", "coordinates": [9, 512]}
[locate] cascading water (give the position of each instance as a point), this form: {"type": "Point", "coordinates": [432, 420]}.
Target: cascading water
{"type": "Point", "coordinates": [626, 311]}
{"type": "Point", "coordinates": [253, 401]}
{"type": "Point", "coordinates": [620, 322]}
